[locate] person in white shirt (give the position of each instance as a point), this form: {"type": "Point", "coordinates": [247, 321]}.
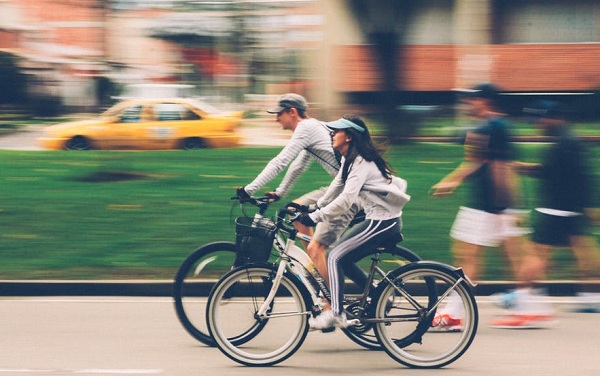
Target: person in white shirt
{"type": "Point", "coordinates": [310, 141]}
{"type": "Point", "coordinates": [364, 177]}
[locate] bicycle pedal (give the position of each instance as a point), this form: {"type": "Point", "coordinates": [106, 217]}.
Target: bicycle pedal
{"type": "Point", "coordinates": [328, 330]}
{"type": "Point", "coordinates": [353, 322]}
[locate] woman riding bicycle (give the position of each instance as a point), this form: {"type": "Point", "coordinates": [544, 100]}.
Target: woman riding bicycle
{"type": "Point", "coordinates": [365, 177]}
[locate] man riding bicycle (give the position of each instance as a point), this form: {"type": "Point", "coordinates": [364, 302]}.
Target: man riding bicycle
{"type": "Point", "coordinates": [310, 141]}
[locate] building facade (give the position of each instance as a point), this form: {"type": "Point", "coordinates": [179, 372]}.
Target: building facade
{"type": "Point", "coordinates": [528, 46]}
{"type": "Point", "coordinates": [314, 47]}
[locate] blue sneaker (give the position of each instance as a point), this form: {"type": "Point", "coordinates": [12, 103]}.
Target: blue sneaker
{"type": "Point", "coordinates": [506, 300]}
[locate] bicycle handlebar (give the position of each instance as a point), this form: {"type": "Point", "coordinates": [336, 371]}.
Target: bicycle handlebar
{"type": "Point", "coordinates": [292, 209]}
{"type": "Point", "coordinates": [261, 202]}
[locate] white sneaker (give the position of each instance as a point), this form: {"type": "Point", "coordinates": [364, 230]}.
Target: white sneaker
{"type": "Point", "coordinates": [328, 320]}
{"type": "Point", "coordinates": [587, 303]}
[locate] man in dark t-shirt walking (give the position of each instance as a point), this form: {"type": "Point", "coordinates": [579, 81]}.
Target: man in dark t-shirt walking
{"type": "Point", "coordinates": [489, 220]}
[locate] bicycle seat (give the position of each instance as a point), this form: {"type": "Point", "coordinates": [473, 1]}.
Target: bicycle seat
{"type": "Point", "coordinates": [390, 243]}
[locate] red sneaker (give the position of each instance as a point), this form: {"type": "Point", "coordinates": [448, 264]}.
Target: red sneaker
{"type": "Point", "coordinates": [524, 321]}
{"type": "Point", "coordinates": [446, 323]}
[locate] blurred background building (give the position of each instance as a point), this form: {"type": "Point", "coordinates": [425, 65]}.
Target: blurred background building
{"type": "Point", "coordinates": [77, 55]}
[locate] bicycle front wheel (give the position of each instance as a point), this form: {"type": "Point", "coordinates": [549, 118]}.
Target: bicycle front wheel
{"type": "Point", "coordinates": [194, 280]}
{"type": "Point", "coordinates": [405, 315]}
{"type": "Point", "coordinates": [232, 311]}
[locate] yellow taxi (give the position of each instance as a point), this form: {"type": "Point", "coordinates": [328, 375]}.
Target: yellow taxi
{"type": "Point", "coordinates": [148, 124]}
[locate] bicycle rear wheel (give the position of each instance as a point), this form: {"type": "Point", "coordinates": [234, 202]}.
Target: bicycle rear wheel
{"type": "Point", "coordinates": [233, 307]}
{"type": "Point", "coordinates": [390, 259]}
{"type": "Point", "coordinates": [403, 310]}
{"type": "Point", "coordinates": [194, 280]}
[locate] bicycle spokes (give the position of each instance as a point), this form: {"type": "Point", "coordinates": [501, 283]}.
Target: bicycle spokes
{"type": "Point", "coordinates": [409, 317]}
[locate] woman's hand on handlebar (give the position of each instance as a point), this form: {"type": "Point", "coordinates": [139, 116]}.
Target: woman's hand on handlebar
{"type": "Point", "coordinates": [272, 196]}
{"type": "Point", "coordinates": [306, 220]}
{"type": "Point", "coordinates": [294, 206]}
{"type": "Point", "coordinates": [298, 212]}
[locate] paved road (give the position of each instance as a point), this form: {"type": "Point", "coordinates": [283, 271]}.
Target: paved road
{"type": "Point", "coordinates": [21, 140]}
{"type": "Point", "coordinates": [141, 336]}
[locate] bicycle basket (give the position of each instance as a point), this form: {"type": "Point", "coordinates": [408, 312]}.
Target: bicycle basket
{"type": "Point", "coordinates": [253, 240]}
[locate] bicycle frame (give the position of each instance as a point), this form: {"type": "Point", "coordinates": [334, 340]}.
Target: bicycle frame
{"type": "Point", "coordinates": [295, 260]}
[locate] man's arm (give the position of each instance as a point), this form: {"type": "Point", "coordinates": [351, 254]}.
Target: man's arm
{"type": "Point", "coordinates": [475, 146]}
{"type": "Point", "coordinates": [526, 168]}
{"type": "Point", "coordinates": [450, 182]}
{"type": "Point", "coordinates": [297, 168]}
{"type": "Point", "coordinates": [296, 144]}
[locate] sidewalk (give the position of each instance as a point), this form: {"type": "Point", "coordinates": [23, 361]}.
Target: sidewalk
{"type": "Point", "coordinates": [165, 287]}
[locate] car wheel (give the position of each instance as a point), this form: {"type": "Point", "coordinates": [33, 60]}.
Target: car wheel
{"type": "Point", "coordinates": [193, 143]}
{"type": "Point", "coordinates": [78, 143]}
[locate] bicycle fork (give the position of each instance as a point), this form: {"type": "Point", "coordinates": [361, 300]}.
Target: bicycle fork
{"type": "Point", "coordinates": [264, 310]}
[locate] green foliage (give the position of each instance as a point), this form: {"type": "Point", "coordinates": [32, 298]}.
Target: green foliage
{"type": "Point", "coordinates": [61, 221]}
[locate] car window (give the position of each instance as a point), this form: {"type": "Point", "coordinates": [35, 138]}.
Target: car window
{"type": "Point", "coordinates": [174, 111]}
{"type": "Point", "coordinates": [205, 107]}
{"type": "Point", "coordinates": [188, 114]}
{"type": "Point", "coordinates": [131, 114]}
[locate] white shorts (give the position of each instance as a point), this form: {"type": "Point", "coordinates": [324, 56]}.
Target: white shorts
{"type": "Point", "coordinates": [487, 229]}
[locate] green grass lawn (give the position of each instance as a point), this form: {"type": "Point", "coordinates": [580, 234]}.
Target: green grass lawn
{"type": "Point", "coordinates": [62, 219]}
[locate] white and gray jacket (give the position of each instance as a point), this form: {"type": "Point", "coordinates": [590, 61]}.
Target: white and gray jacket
{"type": "Point", "coordinates": [380, 198]}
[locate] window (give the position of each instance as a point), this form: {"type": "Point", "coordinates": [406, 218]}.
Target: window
{"type": "Point", "coordinates": [131, 114]}
{"type": "Point", "coordinates": [174, 111]}
{"type": "Point", "coordinates": [550, 21]}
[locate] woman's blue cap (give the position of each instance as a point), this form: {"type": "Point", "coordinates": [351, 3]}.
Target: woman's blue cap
{"type": "Point", "coordinates": [344, 124]}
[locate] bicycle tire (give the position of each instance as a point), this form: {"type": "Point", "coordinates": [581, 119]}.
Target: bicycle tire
{"type": "Point", "coordinates": [192, 285]}
{"type": "Point", "coordinates": [232, 308]}
{"type": "Point", "coordinates": [363, 334]}
{"type": "Point", "coordinates": [433, 349]}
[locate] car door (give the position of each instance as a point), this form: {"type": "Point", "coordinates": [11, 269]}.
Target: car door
{"type": "Point", "coordinates": [166, 132]}
{"type": "Point", "coordinates": [148, 133]}
{"type": "Point", "coordinates": [120, 134]}
{"type": "Point", "coordinates": [151, 134]}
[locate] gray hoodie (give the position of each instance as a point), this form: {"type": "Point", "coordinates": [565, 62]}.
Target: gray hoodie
{"type": "Point", "coordinates": [380, 198]}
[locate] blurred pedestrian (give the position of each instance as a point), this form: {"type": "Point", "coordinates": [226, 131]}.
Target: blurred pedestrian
{"type": "Point", "coordinates": [310, 141]}
{"type": "Point", "coordinates": [490, 218]}
{"type": "Point", "coordinates": [567, 199]}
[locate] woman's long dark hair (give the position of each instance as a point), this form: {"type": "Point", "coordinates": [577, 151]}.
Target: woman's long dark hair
{"type": "Point", "coordinates": [362, 145]}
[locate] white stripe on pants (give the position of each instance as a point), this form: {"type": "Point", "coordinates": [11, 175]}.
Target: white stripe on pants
{"type": "Point", "coordinates": [363, 237]}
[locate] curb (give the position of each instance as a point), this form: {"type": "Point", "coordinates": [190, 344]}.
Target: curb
{"type": "Point", "coordinates": [526, 139]}
{"type": "Point", "coordinates": [162, 288]}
